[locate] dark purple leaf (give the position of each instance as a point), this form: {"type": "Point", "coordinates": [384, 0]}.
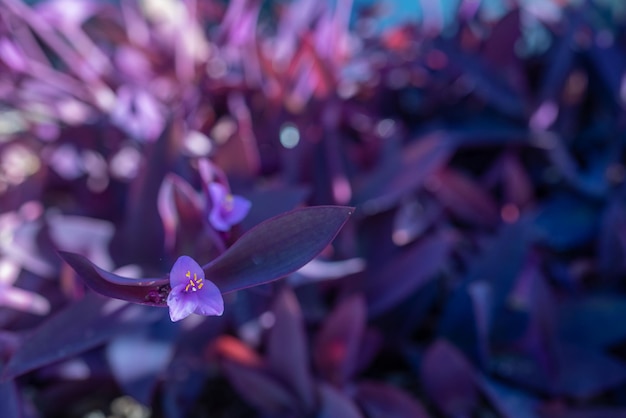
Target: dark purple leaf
{"type": "Point", "coordinates": [449, 379]}
{"type": "Point", "coordinates": [560, 411]}
{"type": "Point", "coordinates": [407, 273]}
{"type": "Point", "coordinates": [140, 240]}
{"type": "Point", "coordinates": [338, 342]}
{"type": "Point", "coordinates": [9, 403]}
{"type": "Point", "coordinates": [277, 247]}
{"type": "Point", "coordinates": [406, 174]}
{"type": "Point", "coordinates": [179, 207]}
{"type": "Point", "coordinates": [79, 327]}
{"type": "Point", "coordinates": [566, 221]}
{"type": "Point", "coordinates": [272, 202]}
{"type": "Point", "coordinates": [499, 48]}
{"type": "Point", "coordinates": [595, 321]}
{"type": "Point", "coordinates": [260, 388]}
{"type": "Point", "coordinates": [509, 402]}
{"type": "Point", "coordinates": [580, 372]}
{"type": "Point", "coordinates": [287, 349]}
{"type": "Point", "coordinates": [464, 198]}
{"type": "Point", "coordinates": [336, 404]}
{"type": "Point", "coordinates": [501, 261]}
{"type": "Point", "coordinates": [147, 291]}
{"type": "Point", "coordinates": [137, 361]}
{"type": "Point", "coordinates": [384, 401]}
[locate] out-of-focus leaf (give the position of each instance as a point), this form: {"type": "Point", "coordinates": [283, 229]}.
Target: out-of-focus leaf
{"type": "Point", "coordinates": [465, 198]}
{"type": "Point", "coordinates": [501, 261]}
{"type": "Point", "coordinates": [260, 389]}
{"type": "Point", "coordinates": [449, 379]}
{"type": "Point", "coordinates": [412, 219]}
{"type": "Point", "coordinates": [277, 247]}
{"type": "Point", "coordinates": [272, 202]}
{"type": "Point", "coordinates": [509, 402]}
{"type": "Point", "coordinates": [9, 403]}
{"type": "Point", "coordinates": [486, 83]}
{"type": "Point", "coordinates": [407, 273]}
{"type": "Point", "coordinates": [611, 64]}
{"type": "Point", "coordinates": [518, 188]}
{"type": "Point", "coordinates": [86, 236]}
{"type": "Point", "coordinates": [136, 361]}
{"type": "Point", "coordinates": [23, 300]}
{"type": "Point", "coordinates": [141, 237]}
{"type": "Point", "coordinates": [565, 222]}
{"type": "Point", "coordinates": [179, 207]}
{"type": "Point", "coordinates": [384, 401]}
{"type": "Point", "coordinates": [404, 175]}
{"type": "Point", "coordinates": [499, 48]}
{"type": "Point", "coordinates": [335, 404]}
{"type": "Point", "coordinates": [559, 411]}
{"type": "Point", "coordinates": [595, 321]}
{"type": "Point", "coordinates": [339, 340]}
{"type": "Point", "coordinates": [580, 372]}
{"type": "Point", "coordinates": [79, 327]}
{"type": "Point", "coordinates": [148, 291]}
{"type": "Point", "coordinates": [287, 353]}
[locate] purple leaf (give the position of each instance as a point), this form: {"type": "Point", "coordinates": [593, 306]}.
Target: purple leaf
{"type": "Point", "coordinates": [509, 402]}
{"type": "Point", "coordinates": [287, 352]}
{"type": "Point", "coordinates": [145, 291]}
{"type": "Point", "coordinates": [335, 404]}
{"type": "Point", "coordinates": [578, 320]}
{"type": "Point", "coordinates": [384, 401]}
{"type": "Point", "coordinates": [270, 251]}
{"type": "Point", "coordinates": [449, 379]}
{"type": "Point", "coordinates": [259, 388]}
{"type": "Point", "coordinates": [79, 327]}
{"type": "Point", "coordinates": [464, 198]}
{"type": "Point", "coordinates": [338, 343]}
{"type": "Point", "coordinates": [403, 176]}
{"type": "Point", "coordinates": [9, 403]}
{"type": "Point", "coordinates": [179, 207]}
{"type": "Point", "coordinates": [136, 361]}
{"type": "Point", "coordinates": [579, 373]}
{"type": "Point", "coordinates": [407, 273]}
{"type": "Point", "coordinates": [272, 202]}
{"type": "Point", "coordinates": [277, 247]}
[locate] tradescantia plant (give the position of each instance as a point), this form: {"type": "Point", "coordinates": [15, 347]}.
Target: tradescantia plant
{"type": "Point", "coordinates": [271, 250]}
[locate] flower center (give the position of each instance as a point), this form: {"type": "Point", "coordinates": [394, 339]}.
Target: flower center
{"type": "Point", "coordinates": [194, 284]}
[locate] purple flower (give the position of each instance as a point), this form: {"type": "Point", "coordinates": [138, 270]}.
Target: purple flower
{"type": "Point", "coordinates": [227, 210]}
{"type": "Point", "coordinates": [191, 292]}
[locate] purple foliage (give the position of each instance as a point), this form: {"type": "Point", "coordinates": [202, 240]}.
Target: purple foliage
{"type": "Point", "coordinates": [367, 209]}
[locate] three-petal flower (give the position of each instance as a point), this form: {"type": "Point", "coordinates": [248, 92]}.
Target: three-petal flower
{"type": "Point", "coordinates": [227, 210]}
{"type": "Point", "coordinates": [192, 292]}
